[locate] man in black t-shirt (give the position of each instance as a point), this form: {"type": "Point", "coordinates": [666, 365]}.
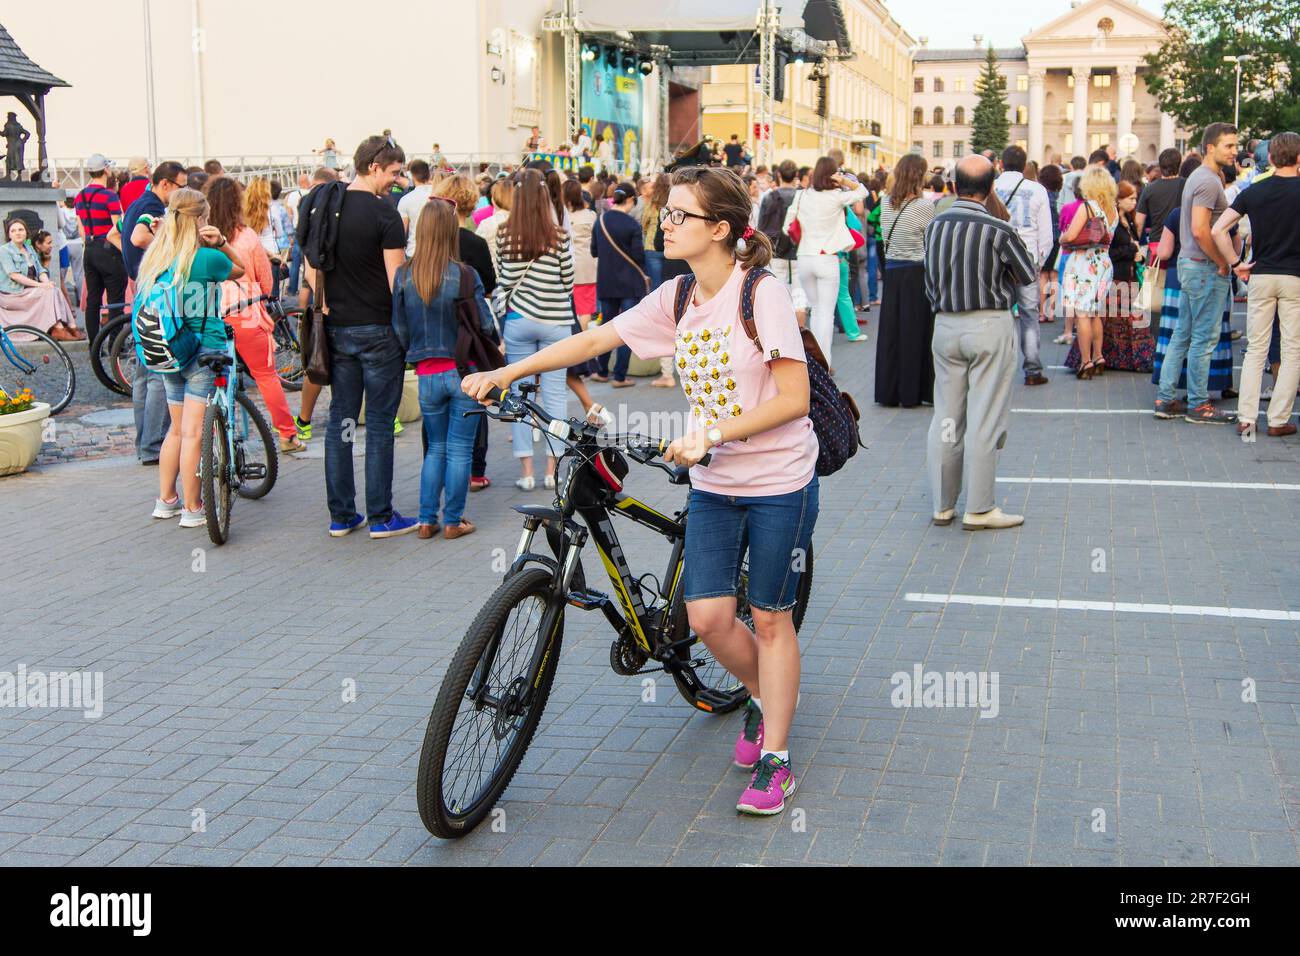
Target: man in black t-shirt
{"type": "Point", "coordinates": [735, 153]}
{"type": "Point", "coordinates": [1273, 204]}
{"type": "Point", "coordinates": [366, 358]}
{"type": "Point", "coordinates": [1160, 197]}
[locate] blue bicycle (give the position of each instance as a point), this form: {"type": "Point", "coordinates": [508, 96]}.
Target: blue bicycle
{"type": "Point", "coordinates": [239, 456]}
{"type": "Point", "coordinates": [42, 364]}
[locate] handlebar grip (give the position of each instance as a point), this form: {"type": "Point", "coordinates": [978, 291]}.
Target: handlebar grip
{"type": "Point", "coordinates": [708, 457]}
{"type": "Point", "coordinates": [495, 395]}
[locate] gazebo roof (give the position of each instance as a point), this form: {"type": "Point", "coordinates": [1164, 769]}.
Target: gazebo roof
{"type": "Point", "coordinates": [18, 74]}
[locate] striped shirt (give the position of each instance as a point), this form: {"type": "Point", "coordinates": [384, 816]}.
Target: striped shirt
{"type": "Point", "coordinates": [974, 261]}
{"type": "Point", "coordinates": [96, 206]}
{"type": "Point", "coordinates": [541, 289]}
{"type": "Point", "coordinates": [904, 236]}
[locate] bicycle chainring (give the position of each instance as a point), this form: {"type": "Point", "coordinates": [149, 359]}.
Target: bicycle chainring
{"type": "Point", "coordinates": [625, 655]}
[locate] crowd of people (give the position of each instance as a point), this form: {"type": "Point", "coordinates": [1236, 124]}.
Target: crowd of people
{"type": "Point", "coordinates": [562, 277]}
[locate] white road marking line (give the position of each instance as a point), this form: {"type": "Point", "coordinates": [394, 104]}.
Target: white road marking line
{"type": "Point", "coordinates": [1157, 482]}
{"type": "Point", "coordinates": [1109, 411]}
{"type": "Point", "coordinates": [1119, 607]}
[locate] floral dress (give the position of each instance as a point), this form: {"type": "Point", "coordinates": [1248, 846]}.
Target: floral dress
{"type": "Point", "coordinates": [1089, 272]}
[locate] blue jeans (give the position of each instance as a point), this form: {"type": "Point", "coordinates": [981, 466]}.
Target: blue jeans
{"type": "Point", "coordinates": [365, 360]}
{"type": "Point", "coordinates": [523, 337]}
{"type": "Point", "coordinates": [776, 529]}
{"type": "Point", "coordinates": [149, 403]}
{"type": "Point", "coordinates": [451, 447]}
{"type": "Point", "coordinates": [623, 354]}
{"type": "Point", "coordinates": [654, 268]}
{"type": "Point", "coordinates": [1200, 318]}
{"type": "Point", "coordinates": [295, 268]}
{"type": "Point", "coordinates": [873, 291]}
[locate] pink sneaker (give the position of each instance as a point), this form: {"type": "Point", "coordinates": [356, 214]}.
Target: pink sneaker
{"type": "Point", "coordinates": [749, 743]}
{"type": "Point", "coordinates": [771, 784]}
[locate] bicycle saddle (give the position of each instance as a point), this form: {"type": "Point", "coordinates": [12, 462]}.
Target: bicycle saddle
{"type": "Point", "coordinates": [215, 360]}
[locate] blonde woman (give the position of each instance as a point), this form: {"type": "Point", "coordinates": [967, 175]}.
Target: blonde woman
{"type": "Point", "coordinates": [1089, 272]}
{"type": "Point", "coordinates": [257, 214]}
{"type": "Point", "coordinates": [329, 154]}
{"type": "Point", "coordinates": [198, 258]}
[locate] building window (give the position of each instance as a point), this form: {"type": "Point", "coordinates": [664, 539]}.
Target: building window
{"type": "Point", "coordinates": [1069, 145]}
{"type": "Point", "coordinates": [959, 115]}
{"type": "Point", "coordinates": [1069, 113]}
{"type": "Point", "coordinates": [1023, 143]}
{"type": "Point", "coordinates": [1101, 111]}
{"type": "Point", "coordinates": [1022, 115]}
{"type": "Point", "coordinates": [1069, 81]}
{"type": "Point", "coordinates": [918, 84]}
{"type": "Point", "coordinates": [938, 116]}
{"type": "Point", "coordinates": [918, 147]}
{"type": "Point", "coordinates": [1002, 81]}
{"type": "Point", "coordinates": [1100, 80]}
{"type": "Point", "coordinates": [959, 85]}
{"type": "Point", "coordinates": [938, 149]}
{"type": "Point", "coordinates": [938, 84]}
{"type": "Point", "coordinates": [1022, 82]}
{"type": "Point", "coordinates": [958, 149]}
{"type": "Point", "coordinates": [1099, 140]}
{"type": "Point", "coordinates": [918, 117]}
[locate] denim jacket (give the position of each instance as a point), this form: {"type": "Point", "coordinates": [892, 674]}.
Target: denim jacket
{"type": "Point", "coordinates": [429, 331]}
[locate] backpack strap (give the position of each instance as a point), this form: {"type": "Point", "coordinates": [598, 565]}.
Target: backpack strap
{"type": "Point", "coordinates": [682, 297]}
{"type": "Point", "coordinates": [751, 280]}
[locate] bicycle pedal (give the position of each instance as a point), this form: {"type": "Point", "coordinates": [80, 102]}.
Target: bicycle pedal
{"type": "Point", "coordinates": [587, 600]}
{"type": "Point", "coordinates": [253, 471]}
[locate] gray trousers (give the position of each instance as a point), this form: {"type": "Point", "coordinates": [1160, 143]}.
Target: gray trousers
{"type": "Point", "coordinates": [974, 365]}
{"type": "Point", "coordinates": [1027, 327]}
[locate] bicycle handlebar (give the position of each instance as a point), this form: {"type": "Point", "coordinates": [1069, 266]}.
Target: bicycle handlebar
{"type": "Point", "coordinates": [640, 447]}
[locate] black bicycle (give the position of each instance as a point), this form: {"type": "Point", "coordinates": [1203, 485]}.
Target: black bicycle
{"type": "Point", "coordinates": [105, 350]}
{"type": "Point", "coordinates": [498, 682]}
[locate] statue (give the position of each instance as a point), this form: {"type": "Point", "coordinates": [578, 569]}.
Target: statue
{"type": "Point", "coordinates": [15, 142]}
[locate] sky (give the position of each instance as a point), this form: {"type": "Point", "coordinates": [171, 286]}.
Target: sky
{"type": "Point", "coordinates": [953, 23]}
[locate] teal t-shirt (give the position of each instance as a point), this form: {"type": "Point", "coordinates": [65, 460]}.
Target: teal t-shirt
{"type": "Point", "coordinates": [210, 268]}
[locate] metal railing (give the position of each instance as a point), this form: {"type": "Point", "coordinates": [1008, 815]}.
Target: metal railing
{"type": "Point", "coordinates": [71, 174]}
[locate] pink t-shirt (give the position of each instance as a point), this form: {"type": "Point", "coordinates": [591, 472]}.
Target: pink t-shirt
{"type": "Point", "coordinates": [723, 375]}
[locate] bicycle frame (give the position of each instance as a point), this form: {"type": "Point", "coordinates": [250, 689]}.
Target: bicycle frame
{"type": "Point", "coordinates": [13, 355]}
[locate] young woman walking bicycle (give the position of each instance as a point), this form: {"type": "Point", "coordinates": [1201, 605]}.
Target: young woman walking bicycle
{"type": "Point", "coordinates": [749, 410]}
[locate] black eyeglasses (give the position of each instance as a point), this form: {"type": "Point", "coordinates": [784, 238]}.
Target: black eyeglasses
{"type": "Point", "coordinates": [679, 216]}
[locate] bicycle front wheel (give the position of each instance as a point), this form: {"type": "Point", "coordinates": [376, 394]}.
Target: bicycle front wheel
{"type": "Point", "coordinates": [258, 456]}
{"type": "Point", "coordinates": [288, 354]}
{"type": "Point", "coordinates": [214, 473]}
{"type": "Point", "coordinates": [42, 365]}
{"type": "Point", "coordinates": [488, 708]}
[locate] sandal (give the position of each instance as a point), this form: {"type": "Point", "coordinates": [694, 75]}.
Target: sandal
{"type": "Point", "coordinates": [480, 482]}
{"type": "Point", "coordinates": [1099, 367]}
{"type": "Point", "coordinates": [664, 381]}
{"type": "Point", "coordinates": [291, 446]}
{"type": "Point", "coordinates": [1084, 371]}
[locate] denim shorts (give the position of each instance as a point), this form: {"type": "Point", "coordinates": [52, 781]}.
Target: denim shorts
{"type": "Point", "coordinates": [776, 529]}
{"type": "Point", "coordinates": [193, 381]}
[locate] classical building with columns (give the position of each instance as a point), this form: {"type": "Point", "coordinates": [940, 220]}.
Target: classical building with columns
{"type": "Point", "coordinates": [1075, 86]}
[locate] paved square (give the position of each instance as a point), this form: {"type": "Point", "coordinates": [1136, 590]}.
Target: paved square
{"type": "Point", "coordinates": [1120, 737]}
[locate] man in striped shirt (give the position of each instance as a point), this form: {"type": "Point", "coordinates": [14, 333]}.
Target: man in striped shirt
{"type": "Point", "coordinates": [98, 210]}
{"type": "Point", "coordinates": [973, 266]}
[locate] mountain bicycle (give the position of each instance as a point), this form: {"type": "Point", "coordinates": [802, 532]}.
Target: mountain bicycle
{"type": "Point", "coordinates": [42, 365]}
{"type": "Point", "coordinates": [236, 460]}
{"type": "Point", "coordinates": [496, 687]}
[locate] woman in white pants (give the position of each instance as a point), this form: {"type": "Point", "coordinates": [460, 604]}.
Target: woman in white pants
{"type": "Point", "coordinates": [823, 233]}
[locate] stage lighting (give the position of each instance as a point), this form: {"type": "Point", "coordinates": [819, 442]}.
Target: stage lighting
{"type": "Point", "coordinates": [647, 67]}
{"type": "Point", "coordinates": [611, 57]}
{"type": "Point", "coordinates": [629, 63]}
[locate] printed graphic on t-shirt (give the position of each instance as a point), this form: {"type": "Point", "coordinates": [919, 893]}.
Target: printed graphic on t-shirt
{"type": "Point", "coordinates": [704, 363]}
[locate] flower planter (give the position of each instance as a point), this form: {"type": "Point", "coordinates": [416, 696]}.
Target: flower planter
{"type": "Point", "coordinates": [20, 438]}
{"type": "Point", "coordinates": [408, 410]}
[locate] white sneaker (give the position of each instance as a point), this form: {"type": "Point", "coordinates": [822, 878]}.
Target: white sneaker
{"type": "Point", "coordinates": [1062, 339]}
{"type": "Point", "coordinates": [165, 509]}
{"type": "Point", "coordinates": [990, 520]}
{"type": "Point", "coordinates": [549, 481]}
{"type": "Point", "coordinates": [193, 519]}
{"type": "Point", "coordinates": [1267, 393]}
{"type": "Point", "coordinates": [526, 484]}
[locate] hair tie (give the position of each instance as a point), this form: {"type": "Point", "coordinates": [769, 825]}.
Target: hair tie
{"type": "Point", "coordinates": [748, 233]}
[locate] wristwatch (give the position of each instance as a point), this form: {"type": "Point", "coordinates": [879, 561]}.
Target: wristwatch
{"type": "Point", "coordinates": [222, 243]}
{"type": "Point", "coordinates": [714, 435]}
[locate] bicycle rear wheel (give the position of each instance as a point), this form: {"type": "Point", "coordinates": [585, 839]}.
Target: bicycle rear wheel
{"type": "Point", "coordinates": [45, 367]}
{"type": "Point", "coordinates": [257, 451]}
{"type": "Point", "coordinates": [101, 353]}
{"type": "Point", "coordinates": [214, 473]}
{"type": "Point", "coordinates": [288, 354]}
{"type": "Point", "coordinates": [123, 364]}
{"type": "Point", "coordinates": [487, 710]}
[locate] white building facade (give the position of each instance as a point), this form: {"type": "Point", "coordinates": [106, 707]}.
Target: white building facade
{"type": "Point", "coordinates": [1076, 85]}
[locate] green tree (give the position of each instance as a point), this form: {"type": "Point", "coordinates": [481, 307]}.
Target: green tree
{"type": "Point", "coordinates": [990, 128]}
{"type": "Point", "coordinates": [1191, 82]}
